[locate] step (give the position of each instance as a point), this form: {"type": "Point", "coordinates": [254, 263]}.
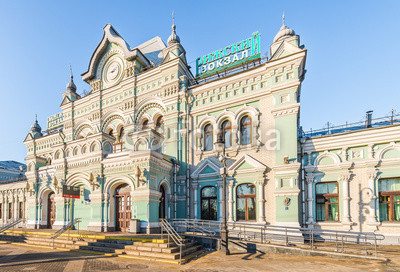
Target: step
{"type": "Point", "coordinates": [108, 245]}
{"type": "Point", "coordinates": [151, 247]}
{"type": "Point", "coordinates": [170, 256]}
{"type": "Point", "coordinates": [98, 249]}
{"type": "Point", "coordinates": [115, 241]}
{"type": "Point", "coordinates": [56, 245]}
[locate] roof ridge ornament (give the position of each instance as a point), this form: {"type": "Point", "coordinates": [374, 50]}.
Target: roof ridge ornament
{"type": "Point", "coordinates": [283, 18]}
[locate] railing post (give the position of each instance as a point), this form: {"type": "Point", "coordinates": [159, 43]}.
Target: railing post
{"type": "Point", "coordinates": [286, 237]}
{"type": "Point", "coordinates": [365, 240]}
{"type": "Point", "coordinates": [336, 242]}
{"type": "Point", "coordinates": [162, 230]}
{"type": "Point", "coordinates": [342, 245]}
{"type": "Point", "coordinates": [312, 240]}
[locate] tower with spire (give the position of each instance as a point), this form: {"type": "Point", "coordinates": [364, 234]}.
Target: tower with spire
{"type": "Point", "coordinates": [284, 35]}
{"type": "Point", "coordinates": [70, 94]}
{"type": "Point", "coordinates": [174, 48]}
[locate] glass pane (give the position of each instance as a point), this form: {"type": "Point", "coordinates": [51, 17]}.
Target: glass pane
{"type": "Point", "coordinates": [321, 188]}
{"type": "Point", "coordinates": [326, 188]}
{"type": "Point", "coordinates": [333, 200]}
{"type": "Point", "coordinates": [386, 185]}
{"type": "Point", "coordinates": [241, 209]}
{"type": "Point", "coordinates": [383, 212]}
{"type": "Point", "coordinates": [209, 192]}
{"type": "Point", "coordinates": [320, 212]}
{"type": "Point", "coordinates": [204, 210]}
{"type": "Point", "coordinates": [251, 208]}
{"type": "Point", "coordinates": [246, 189]}
{"type": "Point", "coordinates": [332, 188]}
{"type": "Point", "coordinates": [320, 200]}
{"type": "Point", "coordinates": [213, 209]}
{"type": "Point", "coordinates": [245, 131]}
{"type": "Point", "coordinates": [333, 210]}
{"type": "Point", "coordinates": [397, 211]}
{"type": "Point", "coordinates": [208, 137]}
{"type": "Point", "coordinates": [227, 136]}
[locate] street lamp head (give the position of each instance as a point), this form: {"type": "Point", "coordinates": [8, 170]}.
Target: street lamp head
{"type": "Point", "coordinates": [220, 143]}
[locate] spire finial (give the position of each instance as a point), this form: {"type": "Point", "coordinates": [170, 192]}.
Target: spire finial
{"type": "Point", "coordinates": [173, 17]}
{"type": "Point", "coordinates": [36, 117]}
{"type": "Point", "coordinates": [70, 69]}
{"type": "Point", "coordinates": [283, 18]}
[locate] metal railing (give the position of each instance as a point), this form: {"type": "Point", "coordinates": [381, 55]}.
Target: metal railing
{"type": "Point", "coordinates": [331, 129]}
{"type": "Point", "coordinates": [11, 225]}
{"type": "Point", "coordinates": [66, 227]}
{"type": "Point", "coordinates": [358, 243]}
{"type": "Point", "coordinates": [173, 234]}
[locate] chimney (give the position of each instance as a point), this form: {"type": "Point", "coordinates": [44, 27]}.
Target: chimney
{"type": "Point", "coordinates": [369, 119]}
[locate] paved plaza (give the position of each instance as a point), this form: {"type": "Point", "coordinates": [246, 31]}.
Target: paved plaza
{"type": "Point", "coordinates": [27, 258]}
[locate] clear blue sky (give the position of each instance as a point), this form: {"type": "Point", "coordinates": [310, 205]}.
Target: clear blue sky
{"type": "Point", "coordinates": [352, 63]}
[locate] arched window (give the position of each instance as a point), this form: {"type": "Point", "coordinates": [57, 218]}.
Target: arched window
{"type": "Point", "coordinates": [145, 124]}
{"type": "Point", "coordinates": [111, 132]}
{"type": "Point", "coordinates": [227, 130]}
{"type": "Point", "coordinates": [209, 203]}
{"type": "Point", "coordinates": [246, 202]}
{"type": "Point", "coordinates": [208, 137]}
{"type": "Point", "coordinates": [160, 125]}
{"type": "Point", "coordinates": [245, 130]}
{"type": "Point", "coordinates": [121, 134]}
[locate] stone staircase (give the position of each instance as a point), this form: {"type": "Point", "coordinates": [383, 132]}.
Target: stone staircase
{"type": "Point", "coordinates": [152, 249]}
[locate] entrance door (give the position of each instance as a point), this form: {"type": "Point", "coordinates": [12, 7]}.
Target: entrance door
{"type": "Point", "coordinates": [161, 207]}
{"type": "Point", "coordinates": [123, 203]}
{"type": "Point", "coordinates": [51, 211]}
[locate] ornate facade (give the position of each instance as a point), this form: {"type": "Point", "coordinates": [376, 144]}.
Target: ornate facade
{"type": "Point", "coordinates": [140, 146]}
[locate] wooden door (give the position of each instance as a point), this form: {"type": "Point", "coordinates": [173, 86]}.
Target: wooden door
{"type": "Point", "coordinates": [51, 211]}
{"type": "Point", "coordinates": [123, 211]}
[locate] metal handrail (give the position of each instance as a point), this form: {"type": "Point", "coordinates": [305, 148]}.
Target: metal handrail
{"type": "Point", "coordinates": [166, 226]}
{"type": "Point", "coordinates": [10, 225]}
{"type": "Point", "coordinates": [262, 233]}
{"type": "Point", "coordinates": [66, 227]}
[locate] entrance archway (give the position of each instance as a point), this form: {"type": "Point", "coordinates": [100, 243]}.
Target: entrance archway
{"type": "Point", "coordinates": [51, 210]}
{"type": "Point", "coordinates": [161, 207]}
{"type": "Point", "coordinates": [123, 204]}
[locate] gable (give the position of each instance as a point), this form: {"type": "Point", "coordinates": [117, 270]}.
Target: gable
{"type": "Point", "coordinates": [245, 165]}
{"type": "Point", "coordinates": [207, 170]}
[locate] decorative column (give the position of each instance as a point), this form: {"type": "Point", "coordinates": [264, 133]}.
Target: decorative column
{"type": "Point", "coordinates": [309, 157]}
{"type": "Point", "coordinates": [372, 220]}
{"type": "Point", "coordinates": [195, 187]}
{"type": "Point", "coordinates": [345, 179]}
{"type": "Point", "coordinates": [310, 199]}
{"type": "Point", "coordinates": [221, 199]}
{"type": "Point", "coordinates": [230, 201]}
{"type": "Point", "coordinates": [261, 201]}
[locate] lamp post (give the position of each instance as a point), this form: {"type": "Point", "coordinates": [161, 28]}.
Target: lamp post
{"type": "Point", "coordinates": [220, 147]}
